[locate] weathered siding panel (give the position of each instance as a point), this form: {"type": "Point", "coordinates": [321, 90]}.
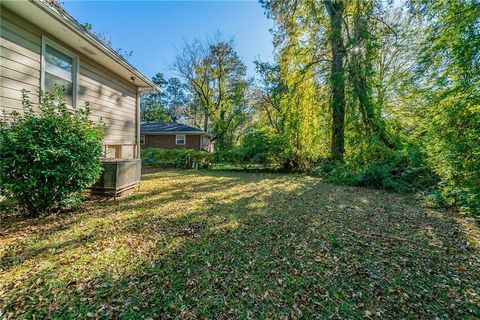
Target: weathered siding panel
{"type": "Point", "coordinates": [20, 48]}
{"type": "Point", "coordinates": [12, 74]}
{"type": "Point", "coordinates": [111, 98]}
{"type": "Point", "coordinates": [7, 65]}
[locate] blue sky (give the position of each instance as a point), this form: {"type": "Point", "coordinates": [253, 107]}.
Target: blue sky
{"type": "Point", "coordinates": [154, 29]}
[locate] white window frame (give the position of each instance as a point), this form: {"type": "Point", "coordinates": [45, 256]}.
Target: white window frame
{"type": "Point", "coordinates": [142, 139]}
{"type": "Point", "coordinates": [184, 139]}
{"type": "Point", "coordinates": [76, 67]}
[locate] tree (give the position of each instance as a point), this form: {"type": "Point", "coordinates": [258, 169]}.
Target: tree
{"type": "Point", "coordinates": [217, 78]}
{"type": "Point", "coordinates": [268, 93]}
{"type": "Point", "coordinates": [152, 105]}
{"type": "Point", "coordinates": [156, 113]}
{"type": "Point", "coordinates": [449, 78]}
{"type": "Point", "coordinates": [401, 87]}
{"type": "Point", "coordinates": [176, 99]}
{"type": "Point", "coordinates": [309, 40]}
{"type": "Point", "coordinates": [334, 45]}
{"type": "Point", "coordinates": [335, 10]}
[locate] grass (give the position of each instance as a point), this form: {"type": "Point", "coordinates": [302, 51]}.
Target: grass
{"type": "Point", "coordinates": [212, 244]}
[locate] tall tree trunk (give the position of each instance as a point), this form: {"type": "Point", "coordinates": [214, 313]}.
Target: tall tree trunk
{"type": "Point", "coordinates": [220, 131]}
{"type": "Point", "coordinates": [361, 70]}
{"type": "Point", "coordinates": [335, 10]}
{"type": "Point", "coordinates": [205, 122]}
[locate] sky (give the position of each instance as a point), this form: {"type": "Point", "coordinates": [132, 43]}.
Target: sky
{"type": "Point", "coordinates": [154, 30]}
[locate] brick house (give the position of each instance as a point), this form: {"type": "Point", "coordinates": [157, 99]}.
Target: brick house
{"type": "Point", "coordinates": [173, 135]}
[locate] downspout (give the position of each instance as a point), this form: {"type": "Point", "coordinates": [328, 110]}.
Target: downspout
{"type": "Point", "coordinates": [137, 127]}
{"type": "Point", "coordinates": [139, 91]}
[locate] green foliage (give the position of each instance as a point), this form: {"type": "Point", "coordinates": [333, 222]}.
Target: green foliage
{"type": "Point", "coordinates": [262, 147]}
{"type": "Point", "coordinates": [176, 99]}
{"type": "Point", "coordinates": [217, 80]}
{"type": "Point", "coordinates": [259, 148]}
{"type": "Point", "coordinates": [152, 105]}
{"type": "Point", "coordinates": [448, 64]}
{"type": "Point", "coordinates": [452, 143]}
{"type": "Point", "coordinates": [401, 170]}
{"type": "Point", "coordinates": [178, 158]}
{"type": "Point", "coordinates": [232, 157]}
{"type": "Point", "coordinates": [411, 109]}
{"type": "Point", "coordinates": [50, 156]}
{"type": "Point", "coordinates": [156, 113]}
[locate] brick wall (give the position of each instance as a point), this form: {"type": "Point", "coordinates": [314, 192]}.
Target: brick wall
{"type": "Point", "coordinates": [168, 141]}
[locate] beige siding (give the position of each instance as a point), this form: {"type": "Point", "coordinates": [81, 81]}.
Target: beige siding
{"type": "Point", "coordinates": [19, 61]}
{"type": "Point", "coordinates": [111, 99]}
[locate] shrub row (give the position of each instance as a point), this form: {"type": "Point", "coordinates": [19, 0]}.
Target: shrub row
{"type": "Point", "coordinates": [178, 158]}
{"type": "Point", "coordinates": [258, 148]}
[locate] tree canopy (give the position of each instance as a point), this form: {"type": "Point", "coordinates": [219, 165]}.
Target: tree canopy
{"type": "Point", "coordinates": [369, 93]}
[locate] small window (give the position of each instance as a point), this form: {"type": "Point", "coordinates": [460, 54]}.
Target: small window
{"type": "Point", "coordinates": [59, 68]}
{"type": "Point", "coordinates": [180, 139]}
{"type": "Point", "coordinates": [142, 139]}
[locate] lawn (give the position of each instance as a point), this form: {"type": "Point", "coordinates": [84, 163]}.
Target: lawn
{"type": "Point", "coordinates": [213, 244]}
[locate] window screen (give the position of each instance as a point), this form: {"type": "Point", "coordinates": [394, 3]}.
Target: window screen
{"type": "Point", "coordinates": [59, 70]}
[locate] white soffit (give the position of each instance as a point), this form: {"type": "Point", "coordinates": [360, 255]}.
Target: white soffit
{"type": "Point", "coordinates": [73, 34]}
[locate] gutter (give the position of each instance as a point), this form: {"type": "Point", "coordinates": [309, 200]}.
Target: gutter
{"type": "Point", "coordinates": [140, 90]}
{"type": "Point", "coordinates": [174, 132]}
{"type": "Point", "coordinates": [63, 17]}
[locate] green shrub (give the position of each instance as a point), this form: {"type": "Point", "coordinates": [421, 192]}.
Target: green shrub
{"type": "Point", "coordinates": [178, 158]}
{"type": "Point", "coordinates": [258, 148]}
{"type": "Point", "coordinates": [261, 147]}
{"type": "Point", "coordinates": [50, 156]}
{"type": "Point", "coordinates": [402, 169]}
{"type": "Point", "coordinates": [452, 144]}
{"type": "Point", "coordinates": [233, 157]}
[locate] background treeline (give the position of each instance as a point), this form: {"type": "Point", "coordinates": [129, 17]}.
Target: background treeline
{"type": "Point", "coordinates": [372, 93]}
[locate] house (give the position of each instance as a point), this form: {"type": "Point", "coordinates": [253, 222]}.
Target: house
{"type": "Point", "coordinates": [173, 135]}
{"type": "Point", "coordinates": [41, 45]}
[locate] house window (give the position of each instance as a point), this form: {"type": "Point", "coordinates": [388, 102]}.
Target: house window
{"type": "Point", "coordinates": [142, 139]}
{"type": "Point", "coordinates": [59, 68]}
{"type": "Point", "coordinates": [180, 139]}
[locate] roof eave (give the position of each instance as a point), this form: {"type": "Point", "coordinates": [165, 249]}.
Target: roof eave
{"type": "Point", "coordinates": [172, 132]}
{"type": "Point", "coordinates": [78, 29]}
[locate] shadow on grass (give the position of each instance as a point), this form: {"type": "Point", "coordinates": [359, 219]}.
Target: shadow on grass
{"type": "Point", "coordinates": [213, 244]}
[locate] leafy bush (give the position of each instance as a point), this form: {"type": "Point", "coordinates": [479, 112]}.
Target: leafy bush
{"type": "Point", "coordinates": [375, 175]}
{"type": "Point", "coordinates": [257, 148]}
{"type": "Point", "coordinates": [50, 156]}
{"type": "Point", "coordinates": [452, 144]}
{"type": "Point", "coordinates": [179, 158]}
{"type": "Point", "coordinates": [261, 147]}
{"type": "Point", "coordinates": [231, 157]}
{"type": "Point", "coordinates": [401, 169]}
